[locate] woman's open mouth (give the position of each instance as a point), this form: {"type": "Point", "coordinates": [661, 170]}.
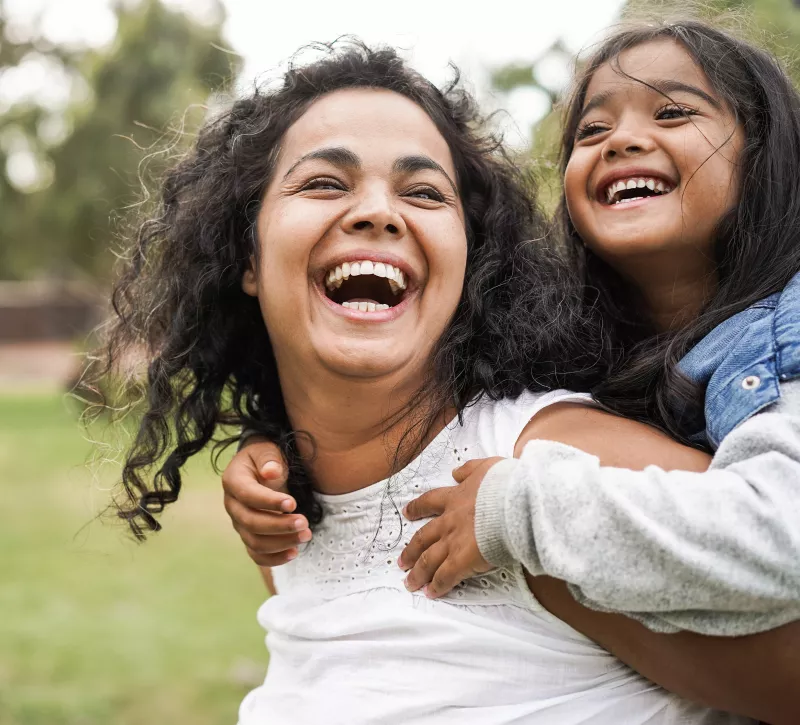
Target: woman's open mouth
{"type": "Point", "coordinates": [366, 286]}
{"type": "Point", "coordinates": [635, 188]}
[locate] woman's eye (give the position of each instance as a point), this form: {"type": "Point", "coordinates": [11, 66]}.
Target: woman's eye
{"type": "Point", "coordinates": [669, 113]}
{"type": "Point", "coordinates": [323, 184]}
{"type": "Point", "coordinates": [589, 129]}
{"type": "Point", "coordinates": [426, 192]}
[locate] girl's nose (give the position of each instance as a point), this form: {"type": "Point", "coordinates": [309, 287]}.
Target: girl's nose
{"type": "Point", "coordinates": [626, 142]}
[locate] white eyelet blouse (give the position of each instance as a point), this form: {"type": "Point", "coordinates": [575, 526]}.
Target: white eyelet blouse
{"type": "Point", "coordinates": [349, 645]}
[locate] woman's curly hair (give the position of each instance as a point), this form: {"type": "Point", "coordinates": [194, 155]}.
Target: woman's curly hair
{"type": "Point", "coordinates": [179, 298]}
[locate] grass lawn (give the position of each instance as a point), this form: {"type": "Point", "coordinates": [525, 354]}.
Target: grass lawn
{"type": "Point", "coordinates": [96, 629]}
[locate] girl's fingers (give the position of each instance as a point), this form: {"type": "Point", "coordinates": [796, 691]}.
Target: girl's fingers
{"type": "Point", "coordinates": [242, 483]}
{"type": "Point", "coordinates": [264, 523]}
{"type": "Point", "coordinates": [273, 544]}
{"type": "Point", "coordinates": [429, 504]}
{"type": "Point", "coordinates": [462, 473]}
{"type": "Point", "coordinates": [272, 559]}
{"type": "Point", "coordinates": [422, 540]}
{"type": "Point", "coordinates": [425, 568]}
{"type": "Point", "coordinates": [448, 575]}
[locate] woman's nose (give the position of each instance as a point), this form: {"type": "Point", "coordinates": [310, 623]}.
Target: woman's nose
{"type": "Point", "coordinates": [375, 214]}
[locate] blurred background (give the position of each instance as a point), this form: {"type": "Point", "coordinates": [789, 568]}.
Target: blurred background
{"type": "Point", "coordinates": [95, 629]}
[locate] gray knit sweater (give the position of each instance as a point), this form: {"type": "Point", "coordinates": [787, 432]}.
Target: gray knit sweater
{"type": "Point", "coordinates": [715, 552]}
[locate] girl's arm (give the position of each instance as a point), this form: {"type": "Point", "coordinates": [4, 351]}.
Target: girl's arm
{"type": "Point", "coordinates": [715, 552]}
{"type": "Point", "coordinates": [756, 675]}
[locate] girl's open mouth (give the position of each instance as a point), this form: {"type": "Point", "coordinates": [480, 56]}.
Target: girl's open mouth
{"type": "Point", "coordinates": [635, 188]}
{"type": "Point", "coordinates": [366, 286]}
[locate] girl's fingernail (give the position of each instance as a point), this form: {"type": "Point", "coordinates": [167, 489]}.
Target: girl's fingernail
{"type": "Point", "coordinates": [291, 555]}
{"type": "Point", "coordinates": [270, 470]}
{"type": "Point", "coordinates": [400, 562]}
{"type": "Point", "coordinates": [286, 504]}
{"type": "Point", "coordinates": [304, 536]}
{"type": "Point", "coordinates": [299, 524]}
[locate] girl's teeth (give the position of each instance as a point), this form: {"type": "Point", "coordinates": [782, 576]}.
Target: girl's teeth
{"type": "Point", "coordinates": [637, 183]}
{"type": "Point", "coordinates": [346, 270]}
{"type": "Point", "coordinates": [367, 267]}
{"type": "Point", "coordinates": [380, 269]}
{"type": "Point", "coordinates": [355, 269]}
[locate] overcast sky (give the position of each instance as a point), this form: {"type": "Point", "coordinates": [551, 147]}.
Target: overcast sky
{"type": "Point", "coordinates": [477, 36]}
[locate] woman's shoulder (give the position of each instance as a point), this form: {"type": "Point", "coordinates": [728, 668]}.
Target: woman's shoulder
{"type": "Point", "coordinates": [495, 425]}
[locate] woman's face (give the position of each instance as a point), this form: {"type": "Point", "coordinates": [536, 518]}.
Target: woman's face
{"type": "Point", "coordinates": [650, 174]}
{"type": "Point", "coordinates": [362, 239]}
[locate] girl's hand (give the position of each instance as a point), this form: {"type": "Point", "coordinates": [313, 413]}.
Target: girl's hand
{"type": "Point", "coordinates": [260, 508]}
{"type": "Point", "coordinates": [444, 552]}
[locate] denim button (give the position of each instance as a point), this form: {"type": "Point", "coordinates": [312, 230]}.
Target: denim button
{"type": "Point", "coordinates": [751, 382]}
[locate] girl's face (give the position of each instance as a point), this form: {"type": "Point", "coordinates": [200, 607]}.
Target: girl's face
{"type": "Point", "coordinates": [651, 175]}
{"type": "Point", "coordinates": [362, 239]}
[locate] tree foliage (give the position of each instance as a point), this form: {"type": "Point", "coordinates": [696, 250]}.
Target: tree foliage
{"type": "Point", "coordinates": [141, 99]}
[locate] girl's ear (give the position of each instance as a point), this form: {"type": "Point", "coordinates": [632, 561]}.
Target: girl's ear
{"type": "Point", "coordinates": [250, 280]}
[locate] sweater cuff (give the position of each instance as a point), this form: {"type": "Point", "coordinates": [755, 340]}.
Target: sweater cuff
{"type": "Point", "coordinates": [490, 523]}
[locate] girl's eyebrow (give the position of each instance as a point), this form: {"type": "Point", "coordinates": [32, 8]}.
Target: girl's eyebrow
{"type": "Point", "coordinates": [662, 86]}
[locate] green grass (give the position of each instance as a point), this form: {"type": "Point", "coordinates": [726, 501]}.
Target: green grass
{"type": "Point", "coordinates": [96, 629]}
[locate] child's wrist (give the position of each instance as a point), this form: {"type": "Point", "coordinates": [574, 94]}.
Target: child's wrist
{"type": "Point", "coordinates": [490, 519]}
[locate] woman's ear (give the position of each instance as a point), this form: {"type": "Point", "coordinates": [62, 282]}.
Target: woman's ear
{"type": "Point", "coordinates": [250, 280]}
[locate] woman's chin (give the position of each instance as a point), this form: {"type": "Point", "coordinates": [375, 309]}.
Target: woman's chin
{"type": "Point", "coordinates": [366, 359]}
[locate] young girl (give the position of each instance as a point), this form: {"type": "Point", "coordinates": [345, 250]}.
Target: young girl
{"type": "Point", "coordinates": [681, 151]}
{"type": "Point", "coordinates": [339, 257]}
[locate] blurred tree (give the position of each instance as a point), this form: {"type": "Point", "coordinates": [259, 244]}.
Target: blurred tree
{"type": "Point", "coordinates": [136, 102]}
{"type": "Point", "coordinates": [18, 124]}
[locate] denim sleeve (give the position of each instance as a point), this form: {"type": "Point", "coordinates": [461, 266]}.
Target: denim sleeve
{"type": "Point", "coordinates": [716, 553]}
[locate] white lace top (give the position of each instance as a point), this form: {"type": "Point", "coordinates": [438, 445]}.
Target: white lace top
{"type": "Point", "coordinates": [348, 643]}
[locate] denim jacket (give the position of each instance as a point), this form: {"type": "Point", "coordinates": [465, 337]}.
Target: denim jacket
{"type": "Point", "coordinates": [743, 361]}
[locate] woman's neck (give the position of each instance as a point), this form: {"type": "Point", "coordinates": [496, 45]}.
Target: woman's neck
{"type": "Point", "coordinates": [354, 428]}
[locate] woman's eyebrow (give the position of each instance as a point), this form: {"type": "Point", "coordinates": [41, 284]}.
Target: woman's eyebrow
{"type": "Point", "coordinates": [336, 155]}
{"type": "Point", "coordinates": [410, 164]}
{"type": "Point", "coordinates": [663, 86]}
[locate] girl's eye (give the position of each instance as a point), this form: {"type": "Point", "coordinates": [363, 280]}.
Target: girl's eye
{"type": "Point", "coordinates": [670, 113]}
{"type": "Point", "coordinates": [589, 129]}
{"type": "Point", "coordinates": [428, 193]}
{"type": "Point", "coordinates": [323, 184]}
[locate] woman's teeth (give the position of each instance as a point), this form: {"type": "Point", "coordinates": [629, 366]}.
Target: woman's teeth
{"type": "Point", "coordinates": [615, 195]}
{"type": "Point", "coordinates": [365, 306]}
{"type": "Point", "coordinates": [396, 278]}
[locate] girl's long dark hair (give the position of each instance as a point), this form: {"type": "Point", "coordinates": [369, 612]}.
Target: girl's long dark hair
{"type": "Point", "coordinates": [757, 244]}
{"type": "Point", "coordinates": [179, 301]}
